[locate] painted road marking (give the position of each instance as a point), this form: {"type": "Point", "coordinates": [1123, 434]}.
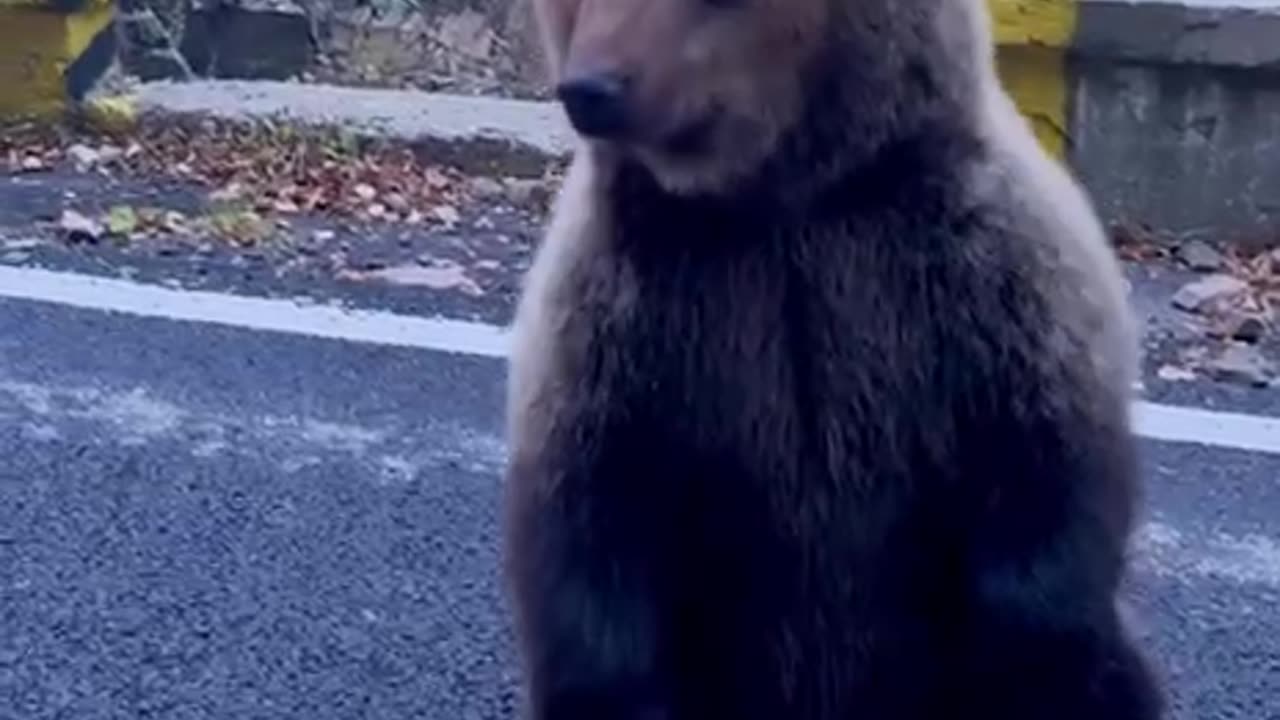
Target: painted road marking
{"type": "Point", "coordinates": [1168, 423]}
{"type": "Point", "coordinates": [135, 417]}
{"type": "Point", "coordinates": [255, 313]}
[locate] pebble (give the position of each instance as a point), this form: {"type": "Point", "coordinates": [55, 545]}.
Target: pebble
{"type": "Point", "coordinates": [527, 193]}
{"type": "Point", "coordinates": [1200, 256]}
{"type": "Point", "coordinates": [486, 187]}
{"type": "Point", "coordinates": [83, 156]}
{"type": "Point", "coordinates": [1242, 365]}
{"type": "Point", "coordinates": [1198, 295]}
{"type": "Point", "coordinates": [79, 228]}
{"type": "Point", "coordinates": [1249, 328]}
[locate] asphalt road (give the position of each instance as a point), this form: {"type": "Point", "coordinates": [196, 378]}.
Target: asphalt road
{"type": "Point", "coordinates": [199, 521]}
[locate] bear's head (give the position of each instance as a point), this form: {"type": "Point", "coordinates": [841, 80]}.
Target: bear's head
{"type": "Point", "coordinates": [702, 92]}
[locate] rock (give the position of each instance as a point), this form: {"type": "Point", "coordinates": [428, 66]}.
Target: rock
{"type": "Point", "coordinates": [528, 193]}
{"type": "Point", "coordinates": [397, 202]}
{"type": "Point", "coordinates": [1238, 324]}
{"type": "Point", "coordinates": [446, 214]}
{"type": "Point", "coordinates": [365, 191]}
{"type": "Point", "coordinates": [1200, 256]}
{"type": "Point", "coordinates": [1173, 373]}
{"type": "Point", "coordinates": [1248, 328]}
{"type": "Point", "coordinates": [146, 48]}
{"type": "Point", "coordinates": [1199, 295]}
{"type": "Point", "coordinates": [77, 228]}
{"type": "Point", "coordinates": [109, 154]}
{"type": "Point", "coordinates": [250, 39]}
{"type": "Point", "coordinates": [437, 275]}
{"type": "Point", "coordinates": [32, 163]}
{"type": "Point", "coordinates": [143, 30]}
{"type": "Point", "coordinates": [486, 187]}
{"type": "Point", "coordinates": [151, 65]}
{"type": "Point", "coordinates": [1243, 365]}
{"type": "Point", "coordinates": [83, 156]}
{"type": "Point", "coordinates": [467, 33]}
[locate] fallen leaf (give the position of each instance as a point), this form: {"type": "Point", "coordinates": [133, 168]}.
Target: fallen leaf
{"type": "Point", "coordinates": [121, 220]}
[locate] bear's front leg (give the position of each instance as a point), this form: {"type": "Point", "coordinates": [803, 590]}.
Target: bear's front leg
{"type": "Point", "coordinates": [584, 567]}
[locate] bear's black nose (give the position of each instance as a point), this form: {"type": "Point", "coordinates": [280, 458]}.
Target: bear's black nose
{"type": "Point", "coordinates": [596, 104]}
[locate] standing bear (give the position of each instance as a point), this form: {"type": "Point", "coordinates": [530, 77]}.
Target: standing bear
{"type": "Point", "coordinates": [820, 388]}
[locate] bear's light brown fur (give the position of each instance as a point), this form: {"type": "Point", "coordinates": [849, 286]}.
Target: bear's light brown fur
{"type": "Point", "coordinates": [825, 415]}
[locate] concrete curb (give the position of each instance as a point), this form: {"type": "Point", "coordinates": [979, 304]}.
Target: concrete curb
{"type": "Point", "coordinates": [476, 134]}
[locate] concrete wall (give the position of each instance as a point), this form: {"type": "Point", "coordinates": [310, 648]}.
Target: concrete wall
{"type": "Point", "coordinates": [1175, 115]}
{"type": "Point", "coordinates": [1168, 110]}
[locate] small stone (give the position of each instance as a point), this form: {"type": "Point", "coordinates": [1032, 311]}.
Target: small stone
{"type": "Point", "coordinates": [83, 156]}
{"type": "Point", "coordinates": [32, 163]}
{"type": "Point", "coordinates": [1248, 328]}
{"type": "Point", "coordinates": [78, 228]}
{"type": "Point", "coordinates": [446, 214]}
{"type": "Point", "coordinates": [527, 193]}
{"type": "Point", "coordinates": [1173, 373]}
{"type": "Point", "coordinates": [109, 154]}
{"type": "Point", "coordinates": [323, 236]}
{"type": "Point", "coordinates": [486, 187]}
{"type": "Point", "coordinates": [365, 191]}
{"type": "Point", "coordinates": [1242, 365]}
{"type": "Point", "coordinates": [397, 202]}
{"type": "Point", "coordinates": [1197, 296]}
{"type": "Point", "coordinates": [1200, 256]}
{"type": "Point", "coordinates": [437, 275]}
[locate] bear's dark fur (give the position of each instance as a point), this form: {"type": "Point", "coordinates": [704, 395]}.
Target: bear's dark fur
{"type": "Point", "coordinates": [842, 435]}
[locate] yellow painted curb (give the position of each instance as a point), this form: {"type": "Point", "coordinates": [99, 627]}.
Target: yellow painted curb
{"type": "Point", "coordinates": [51, 53]}
{"type": "Point", "coordinates": [1032, 38]}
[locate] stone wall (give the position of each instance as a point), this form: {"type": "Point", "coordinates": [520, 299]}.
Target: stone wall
{"type": "Point", "coordinates": [459, 46]}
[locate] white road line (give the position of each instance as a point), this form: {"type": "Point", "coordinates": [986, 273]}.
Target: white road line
{"type": "Point", "coordinates": [275, 315]}
{"type": "Point", "coordinates": [1171, 423]}
{"type": "Point", "coordinates": [1155, 421]}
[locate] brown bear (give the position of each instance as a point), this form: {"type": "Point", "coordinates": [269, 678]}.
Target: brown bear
{"type": "Point", "coordinates": [820, 388]}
